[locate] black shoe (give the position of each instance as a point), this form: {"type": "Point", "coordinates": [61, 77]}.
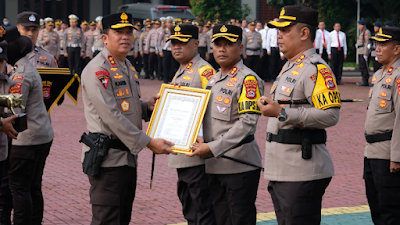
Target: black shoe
{"type": "Point", "coordinates": [339, 83]}
{"type": "Point", "coordinates": [151, 77]}
{"type": "Point", "coordinates": [362, 84]}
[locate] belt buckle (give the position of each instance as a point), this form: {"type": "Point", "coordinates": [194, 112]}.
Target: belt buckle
{"type": "Point", "coordinates": [269, 135]}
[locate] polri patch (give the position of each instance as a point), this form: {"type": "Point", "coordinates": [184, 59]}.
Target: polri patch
{"type": "Point", "coordinates": [104, 77]}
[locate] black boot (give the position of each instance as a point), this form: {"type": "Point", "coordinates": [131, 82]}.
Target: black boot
{"type": "Point", "coordinates": [364, 83]}
{"type": "Point", "coordinates": [5, 217]}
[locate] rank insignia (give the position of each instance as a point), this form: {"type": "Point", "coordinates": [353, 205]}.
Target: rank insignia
{"type": "Point", "coordinates": [219, 98]}
{"type": "Point", "coordinates": [374, 79]}
{"type": "Point", "coordinates": [295, 72]}
{"type": "Point", "coordinates": [398, 85]}
{"type": "Point", "coordinates": [233, 80]}
{"type": "Point", "coordinates": [383, 94]}
{"type": "Point", "coordinates": [189, 65]}
{"type": "Point", "coordinates": [133, 69]}
{"type": "Point", "coordinates": [125, 106]}
{"type": "Point", "coordinates": [301, 65]}
{"type": "Point", "coordinates": [388, 80]}
{"type": "Point", "coordinates": [300, 58]}
{"type": "Point", "coordinates": [233, 71]}
{"type": "Point", "coordinates": [136, 76]}
{"type": "Point", "coordinates": [127, 91]}
{"type": "Point", "coordinates": [120, 93]}
{"type": "Point", "coordinates": [230, 85]}
{"type": "Point", "coordinates": [227, 100]}
{"type": "Point", "coordinates": [104, 77]}
{"type": "Point", "coordinates": [113, 69]}
{"type": "Point", "coordinates": [390, 70]}
{"type": "Point", "coordinates": [43, 58]}
{"type": "Point", "coordinates": [221, 109]}
{"type": "Point", "coordinates": [118, 76]}
{"type": "Point", "coordinates": [382, 103]}
{"type": "Point", "coordinates": [111, 60]}
{"type": "Point", "coordinates": [190, 71]}
{"type": "Point", "coordinates": [187, 78]}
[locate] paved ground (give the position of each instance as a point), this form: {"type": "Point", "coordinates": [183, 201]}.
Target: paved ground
{"type": "Point", "coordinates": [66, 188]}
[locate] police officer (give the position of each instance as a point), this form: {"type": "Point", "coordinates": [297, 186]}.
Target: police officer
{"type": "Point", "coordinates": [192, 184]}
{"type": "Point", "coordinates": [86, 31]}
{"type": "Point", "coordinates": [95, 39]}
{"type": "Point", "coordinates": [74, 42]}
{"type": "Point", "coordinates": [372, 47]}
{"type": "Point", "coordinates": [112, 106]}
{"type": "Point", "coordinates": [137, 61]}
{"type": "Point", "coordinates": [49, 39]}
{"type": "Point", "coordinates": [297, 162]}
{"type": "Point", "coordinates": [211, 59]}
{"type": "Point", "coordinates": [143, 53]}
{"type": "Point", "coordinates": [28, 25]}
{"type": "Point", "coordinates": [134, 50]}
{"type": "Point", "coordinates": [228, 128]}
{"type": "Point", "coordinates": [61, 26]}
{"type": "Point", "coordinates": [89, 52]}
{"type": "Point", "coordinates": [170, 65]}
{"type": "Point", "coordinates": [146, 22]}
{"type": "Point", "coordinates": [252, 47]}
{"type": "Point", "coordinates": [382, 156]}
{"type": "Point", "coordinates": [363, 52]}
{"type": "Point", "coordinates": [32, 147]}
{"type": "Point", "coordinates": [160, 31]}
{"type": "Point", "coordinates": [204, 47]}
{"type": "Point", "coordinates": [151, 49]}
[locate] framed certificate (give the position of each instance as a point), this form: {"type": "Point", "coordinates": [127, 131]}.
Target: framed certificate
{"type": "Point", "coordinates": [178, 115]}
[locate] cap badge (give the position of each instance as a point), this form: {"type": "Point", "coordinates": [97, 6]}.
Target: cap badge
{"type": "Point", "coordinates": [282, 12]}
{"type": "Point", "coordinates": [223, 29]}
{"type": "Point", "coordinates": [380, 31]}
{"type": "Point", "coordinates": [124, 18]}
{"type": "Point", "coordinates": [177, 28]}
{"type": "Point", "coordinates": [32, 18]}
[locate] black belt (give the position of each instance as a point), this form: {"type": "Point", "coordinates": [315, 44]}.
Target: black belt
{"type": "Point", "coordinates": [372, 138]}
{"type": "Point", "coordinates": [295, 137]}
{"type": "Point", "coordinates": [253, 49]}
{"type": "Point", "coordinates": [112, 143]}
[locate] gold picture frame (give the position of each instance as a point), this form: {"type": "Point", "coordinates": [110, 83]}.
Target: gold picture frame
{"type": "Point", "coordinates": [178, 115]}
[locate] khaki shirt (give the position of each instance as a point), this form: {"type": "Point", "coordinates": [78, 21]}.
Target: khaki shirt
{"type": "Point", "coordinates": [88, 48]}
{"type": "Point", "coordinates": [283, 162]}
{"type": "Point", "coordinates": [42, 58]}
{"type": "Point", "coordinates": [204, 41]}
{"type": "Point", "coordinates": [95, 42]}
{"type": "Point", "coordinates": [142, 41]}
{"type": "Point", "coordinates": [384, 113]}
{"type": "Point", "coordinates": [7, 86]}
{"type": "Point", "coordinates": [210, 44]}
{"type": "Point", "coordinates": [362, 42]}
{"type": "Point", "coordinates": [29, 83]}
{"type": "Point", "coordinates": [224, 127]}
{"type": "Point", "coordinates": [162, 40]}
{"type": "Point", "coordinates": [136, 35]}
{"type": "Point", "coordinates": [62, 44]}
{"type": "Point", "coordinates": [195, 74]}
{"type": "Point", "coordinates": [74, 38]}
{"type": "Point", "coordinates": [53, 46]}
{"type": "Point", "coordinates": [112, 106]}
{"type": "Point", "coordinates": [252, 43]}
{"type": "Point", "coordinates": [151, 41]}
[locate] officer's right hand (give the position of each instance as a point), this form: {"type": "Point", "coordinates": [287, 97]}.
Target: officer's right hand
{"type": "Point", "coordinates": [268, 53]}
{"type": "Point", "coordinates": [160, 146]}
{"type": "Point", "coordinates": [47, 40]}
{"type": "Point", "coordinates": [244, 56]}
{"type": "Point", "coordinates": [161, 54]}
{"type": "Point", "coordinates": [271, 109]}
{"type": "Point", "coordinates": [147, 52]}
{"type": "Point", "coordinates": [207, 57]}
{"type": "Point", "coordinates": [65, 54]}
{"type": "Point", "coordinates": [329, 57]}
{"type": "Point", "coordinates": [8, 128]}
{"type": "Point", "coordinates": [141, 54]}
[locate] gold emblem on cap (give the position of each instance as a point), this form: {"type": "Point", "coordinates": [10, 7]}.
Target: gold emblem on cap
{"type": "Point", "coordinates": [282, 12]}
{"type": "Point", "coordinates": [380, 30]}
{"type": "Point", "coordinates": [124, 18]}
{"type": "Point", "coordinates": [223, 29]}
{"type": "Point", "coordinates": [177, 28]}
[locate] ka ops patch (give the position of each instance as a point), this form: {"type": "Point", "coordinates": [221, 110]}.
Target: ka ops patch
{"type": "Point", "coordinates": [325, 94]}
{"type": "Point", "coordinates": [249, 96]}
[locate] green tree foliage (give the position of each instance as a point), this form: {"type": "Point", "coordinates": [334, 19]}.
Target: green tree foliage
{"type": "Point", "coordinates": [219, 9]}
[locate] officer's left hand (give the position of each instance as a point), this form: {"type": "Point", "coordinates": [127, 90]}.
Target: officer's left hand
{"type": "Point", "coordinates": [82, 54]}
{"type": "Point", "coordinates": [394, 167]}
{"type": "Point", "coordinates": [272, 109]}
{"type": "Point", "coordinates": [202, 150]}
{"type": "Point", "coordinates": [261, 56]}
{"type": "Point", "coordinates": [152, 102]}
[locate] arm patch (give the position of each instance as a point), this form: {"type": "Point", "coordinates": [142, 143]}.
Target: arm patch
{"type": "Point", "coordinates": [249, 96]}
{"type": "Point", "coordinates": [206, 72]}
{"type": "Point", "coordinates": [325, 94]}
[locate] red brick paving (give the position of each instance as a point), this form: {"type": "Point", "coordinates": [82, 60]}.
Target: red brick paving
{"type": "Point", "coordinates": [65, 187]}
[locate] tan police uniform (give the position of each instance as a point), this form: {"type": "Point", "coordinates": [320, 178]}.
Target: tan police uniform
{"type": "Point", "coordinates": [112, 107]}
{"type": "Point", "coordinates": [54, 41]}
{"type": "Point", "coordinates": [63, 61]}
{"type": "Point", "coordinates": [252, 48]}
{"type": "Point", "coordinates": [297, 161]}
{"type": "Point", "coordinates": [142, 43]}
{"type": "Point", "coordinates": [74, 41]}
{"type": "Point", "coordinates": [228, 128]}
{"type": "Point", "coordinates": [210, 51]}
{"type": "Point", "coordinates": [204, 46]}
{"type": "Point", "coordinates": [137, 62]}
{"type": "Point", "coordinates": [151, 47]}
{"type": "Point", "coordinates": [41, 58]}
{"type": "Point", "coordinates": [383, 146]}
{"type": "Point", "coordinates": [170, 65]}
{"type": "Point", "coordinates": [363, 53]}
{"type": "Point", "coordinates": [96, 42]}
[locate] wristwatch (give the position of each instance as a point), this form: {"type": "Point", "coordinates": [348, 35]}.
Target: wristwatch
{"type": "Point", "coordinates": [282, 115]}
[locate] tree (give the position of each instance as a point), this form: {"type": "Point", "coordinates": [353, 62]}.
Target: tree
{"type": "Point", "coordinates": [219, 9]}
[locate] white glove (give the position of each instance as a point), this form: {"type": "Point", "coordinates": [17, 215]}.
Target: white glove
{"type": "Point", "coordinates": [369, 46]}
{"type": "Point", "coordinates": [376, 59]}
{"type": "Point", "coordinates": [366, 58]}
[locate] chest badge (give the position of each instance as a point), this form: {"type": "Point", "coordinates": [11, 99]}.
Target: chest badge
{"type": "Point", "coordinates": [221, 109]}
{"type": "Point", "coordinates": [133, 69]}
{"type": "Point", "coordinates": [187, 78]}
{"type": "Point", "coordinates": [383, 94]}
{"type": "Point", "coordinates": [114, 69]}
{"type": "Point", "coordinates": [388, 80]}
{"type": "Point", "coordinates": [301, 65]}
{"type": "Point", "coordinates": [374, 79]}
{"type": "Point", "coordinates": [43, 58]}
{"type": "Point", "coordinates": [190, 71]}
{"type": "Point", "coordinates": [120, 93]}
{"type": "Point", "coordinates": [118, 76]}
{"type": "Point", "coordinates": [382, 103]}
{"type": "Point", "coordinates": [227, 100]}
{"type": "Point", "coordinates": [233, 80]}
{"type": "Point", "coordinates": [230, 85]}
{"type": "Point", "coordinates": [295, 72]}
{"type": "Point", "coordinates": [219, 98]}
{"type": "Point", "coordinates": [125, 106]}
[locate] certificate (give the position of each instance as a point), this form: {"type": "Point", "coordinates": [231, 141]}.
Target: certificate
{"type": "Point", "coordinates": [178, 115]}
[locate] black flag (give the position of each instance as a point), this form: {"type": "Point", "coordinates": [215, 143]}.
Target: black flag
{"type": "Point", "coordinates": [56, 82]}
{"type": "Point", "coordinates": [73, 90]}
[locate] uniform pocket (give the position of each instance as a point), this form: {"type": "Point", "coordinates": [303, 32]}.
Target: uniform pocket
{"type": "Point", "coordinates": [390, 191]}
{"type": "Point", "coordinates": [221, 112]}
{"type": "Point", "coordinates": [286, 89]}
{"type": "Point", "coordinates": [384, 103]}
